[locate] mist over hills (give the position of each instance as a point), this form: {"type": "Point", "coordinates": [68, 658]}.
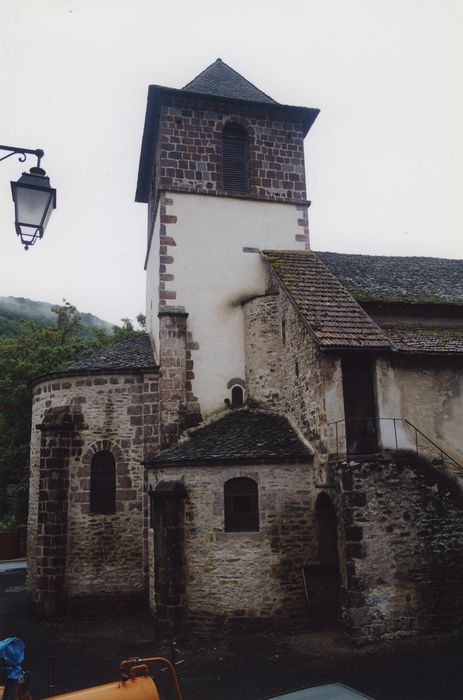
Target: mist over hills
{"type": "Point", "coordinates": [15, 309]}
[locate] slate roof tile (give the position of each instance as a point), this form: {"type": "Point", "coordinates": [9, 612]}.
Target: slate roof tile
{"type": "Point", "coordinates": [334, 317]}
{"type": "Point", "coordinates": [413, 339]}
{"type": "Point", "coordinates": [402, 279]}
{"type": "Point", "coordinates": [244, 435]}
{"type": "Point", "coordinates": [133, 353]}
{"type": "Point", "coordinates": [222, 81]}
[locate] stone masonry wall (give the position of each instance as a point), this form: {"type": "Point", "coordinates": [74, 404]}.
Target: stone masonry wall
{"type": "Point", "coordinates": [59, 442]}
{"type": "Point", "coordinates": [106, 554]}
{"type": "Point", "coordinates": [179, 408]}
{"type": "Point", "coordinates": [263, 349]}
{"type": "Point", "coordinates": [189, 157]}
{"type": "Point", "coordinates": [285, 370]}
{"type": "Point", "coordinates": [236, 579]}
{"type": "Point", "coordinates": [402, 524]}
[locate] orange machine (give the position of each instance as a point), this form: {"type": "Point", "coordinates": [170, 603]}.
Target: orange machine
{"type": "Point", "coordinates": [135, 683]}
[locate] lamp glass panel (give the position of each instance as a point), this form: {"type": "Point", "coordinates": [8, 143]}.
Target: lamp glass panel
{"type": "Point", "coordinates": [32, 205]}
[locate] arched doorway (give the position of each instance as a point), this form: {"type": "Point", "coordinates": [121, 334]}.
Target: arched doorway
{"type": "Point", "coordinates": [322, 579]}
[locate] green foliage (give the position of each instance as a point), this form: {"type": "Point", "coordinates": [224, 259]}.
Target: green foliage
{"type": "Point", "coordinates": [38, 350]}
{"type": "Point", "coordinates": [127, 330]}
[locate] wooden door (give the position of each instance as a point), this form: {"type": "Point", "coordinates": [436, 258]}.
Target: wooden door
{"type": "Point", "coordinates": [359, 404]}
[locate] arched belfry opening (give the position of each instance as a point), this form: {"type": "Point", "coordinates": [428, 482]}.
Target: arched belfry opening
{"type": "Point", "coordinates": [322, 579]}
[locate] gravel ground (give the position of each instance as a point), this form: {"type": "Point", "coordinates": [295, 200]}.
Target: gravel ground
{"type": "Point", "coordinates": [88, 651]}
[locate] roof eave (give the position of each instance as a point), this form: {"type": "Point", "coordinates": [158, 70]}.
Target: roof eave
{"type": "Point", "coordinates": [159, 463]}
{"type": "Point", "coordinates": [62, 374]}
{"type": "Point", "coordinates": [306, 115]}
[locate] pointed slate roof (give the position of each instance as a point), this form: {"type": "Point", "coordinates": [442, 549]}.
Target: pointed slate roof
{"type": "Point", "coordinates": [333, 316]}
{"type": "Point", "coordinates": [246, 436]}
{"type": "Point", "coordinates": [221, 80]}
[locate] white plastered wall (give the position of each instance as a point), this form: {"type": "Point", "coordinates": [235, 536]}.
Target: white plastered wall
{"type": "Point", "coordinates": [430, 397]}
{"type": "Point", "coordinates": [212, 276]}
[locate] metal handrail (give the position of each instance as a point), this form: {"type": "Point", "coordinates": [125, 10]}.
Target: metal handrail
{"type": "Point", "coordinates": [443, 455]}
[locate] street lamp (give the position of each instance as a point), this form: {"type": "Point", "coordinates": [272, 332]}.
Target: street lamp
{"type": "Point", "coordinates": [34, 199]}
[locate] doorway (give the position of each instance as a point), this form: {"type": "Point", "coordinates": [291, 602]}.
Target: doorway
{"type": "Point", "coordinates": [323, 579]}
{"type": "Point", "coordinates": [359, 404]}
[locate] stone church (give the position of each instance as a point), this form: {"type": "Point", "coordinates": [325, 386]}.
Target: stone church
{"type": "Point", "coordinates": [283, 447]}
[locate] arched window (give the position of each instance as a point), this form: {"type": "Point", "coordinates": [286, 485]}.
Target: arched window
{"type": "Point", "coordinates": [234, 159]}
{"type": "Point", "coordinates": [103, 483]}
{"type": "Point", "coordinates": [241, 502]}
{"type": "Point", "coordinates": [237, 396]}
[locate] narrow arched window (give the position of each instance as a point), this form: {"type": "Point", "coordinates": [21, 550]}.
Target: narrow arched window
{"type": "Point", "coordinates": [241, 502]}
{"type": "Point", "coordinates": [103, 483]}
{"type": "Point", "coordinates": [234, 159]}
{"type": "Point", "coordinates": [237, 396]}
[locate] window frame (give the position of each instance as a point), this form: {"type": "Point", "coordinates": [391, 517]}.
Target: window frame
{"type": "Point", "coordinates": [237, 519]}
{"type": "Point", "coordinates": [102, 499]}
{"type": "Point", "coordinates": [227, 161]}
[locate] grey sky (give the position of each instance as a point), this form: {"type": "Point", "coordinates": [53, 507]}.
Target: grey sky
{"type": "Point", "coordinates": [384, 158]}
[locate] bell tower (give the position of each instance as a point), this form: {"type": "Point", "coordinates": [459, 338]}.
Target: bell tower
{"type": "Point", "coordinates": [222, 171]}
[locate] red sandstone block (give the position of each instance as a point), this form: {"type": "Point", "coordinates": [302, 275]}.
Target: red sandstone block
{"type": "Point", "coordinates": [168, 219]}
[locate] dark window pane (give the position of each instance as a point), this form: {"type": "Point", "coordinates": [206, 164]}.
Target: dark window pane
{"type": "Point", "coordinates": [241, 505]}
{"type": "Point", "coordinates": [103, 483]}
{"type": "Point", "coordinates": [237, 394]}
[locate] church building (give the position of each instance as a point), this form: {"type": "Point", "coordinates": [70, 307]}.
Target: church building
{"type": "Point", "coordinates": [283, 447]}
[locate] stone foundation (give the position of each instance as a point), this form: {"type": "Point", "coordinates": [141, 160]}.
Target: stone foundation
{"type": "Point", "coordinates": [401, 526]}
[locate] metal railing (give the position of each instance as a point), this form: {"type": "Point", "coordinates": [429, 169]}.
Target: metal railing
{"type": "Point", "coordinates": [354, 436]}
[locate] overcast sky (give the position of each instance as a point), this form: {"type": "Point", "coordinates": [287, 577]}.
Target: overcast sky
{"type": "Point", "coordinates": [384, 158]}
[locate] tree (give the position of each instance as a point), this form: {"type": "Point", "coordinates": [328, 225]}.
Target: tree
{"type": "Point", "coordinates": [127, 329]}
{"type": "Point", "coordinates": [37, 351]}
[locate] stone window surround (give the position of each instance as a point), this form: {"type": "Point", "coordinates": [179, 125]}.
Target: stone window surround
{"type": "Point", "coordinates": [120, 464]}
{"type": "Point", "coordinates": [250, 490]}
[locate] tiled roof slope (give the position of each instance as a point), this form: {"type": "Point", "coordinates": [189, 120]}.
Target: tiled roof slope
{"type": "Point", "coordinates": [412, 339]}
{"type": "Point", "coordinates": [244, 435]}
{"type": "Point", "coordinates": [133, 353]}
{"type": "Point", "coordinates": [334, 317]}
{"type": "Point", "coordinates": [222, 81]}
{"type": "Point", "coordinates": [401, 279]}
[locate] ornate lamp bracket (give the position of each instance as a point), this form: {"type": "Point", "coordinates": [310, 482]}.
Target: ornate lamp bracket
{"type": "Point", "coordinates": [22, 153]}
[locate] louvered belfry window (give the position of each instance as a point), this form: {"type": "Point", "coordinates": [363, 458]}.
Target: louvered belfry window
{"type": "Point", "coordinates": [103, 483]}
{"type": "Point", "coordinates": [234, 157]}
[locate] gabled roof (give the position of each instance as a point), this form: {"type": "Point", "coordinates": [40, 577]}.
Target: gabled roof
{"type": "Point", "coordinates": [245, 436]}
{"type": "Point", "coordinates": [398, 279]}
{"type": "Point", "coordinates": [222, 81]}
{"type": "Point", "coordinates": [333, 316]}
